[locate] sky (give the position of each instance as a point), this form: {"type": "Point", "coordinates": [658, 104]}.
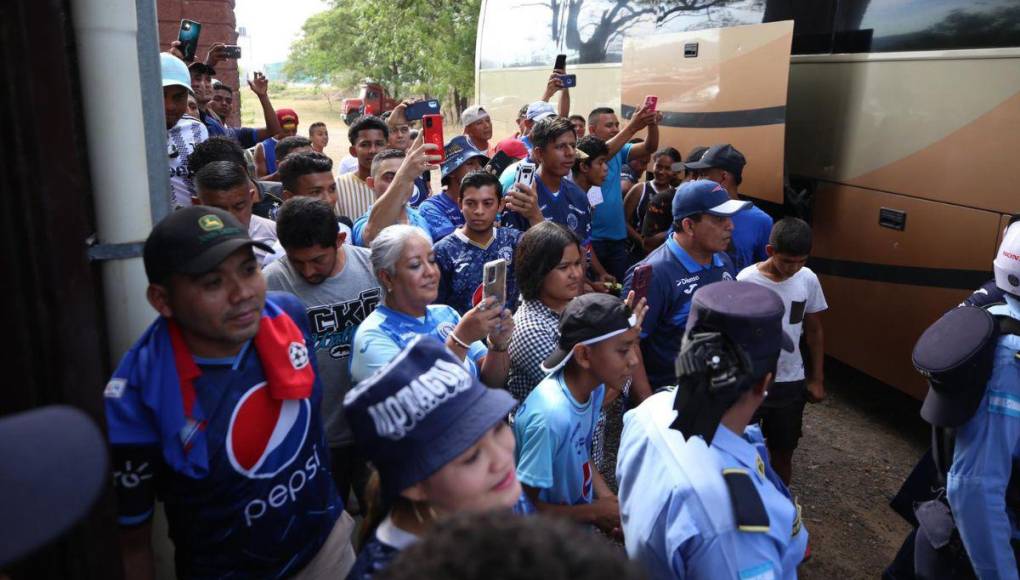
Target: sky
{"type": "Point", "coordinates": [270, 28]}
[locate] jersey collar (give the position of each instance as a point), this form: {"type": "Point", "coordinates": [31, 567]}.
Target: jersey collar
{"type": "Point", "coordinates": [689, 263]}
{"type": "Point", "coordinates": [739, 448]}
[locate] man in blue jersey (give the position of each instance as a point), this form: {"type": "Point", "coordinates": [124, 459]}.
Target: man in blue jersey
{"type": "Point", "coordinates": [462, 256]}
{"type": "Point", "coordinates": [215, 410]}
{"type": "Point", "coordinates": [392, 181]}
{"type": "Point", "coordinates": [724, 165]}
{"type": "Point", "coordinates": [559, 199]}
{"type": "Point", "coordinates": [201, 82]}
{"type": "Point", "coordinates": [609, 225]}
{"type": "Point", "coordinates": [698, 498]}
{"type": "Point", "coordinates": [442, 211]}
{"type": "Point", "coordinates": [692, 257]}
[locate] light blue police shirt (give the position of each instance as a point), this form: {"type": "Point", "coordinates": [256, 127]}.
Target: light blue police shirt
{"type": "Point", "coordinates": [986, 447]}
{"type": "Point", "coordinates": [554, 437]}
{"type": "Point", "coordinates": [676, 509]}
{"type": "Point", "coordinates": [385, 332]}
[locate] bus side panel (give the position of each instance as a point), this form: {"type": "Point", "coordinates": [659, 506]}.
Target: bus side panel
{"type": "Point", "coordinates": [930, 126]}
{"type": "Point", "coordinates": [503, 91]}
{"type": "Point", "coordinates": [885, 286]}
{"type": "Point", "coordinates": [723, 85]}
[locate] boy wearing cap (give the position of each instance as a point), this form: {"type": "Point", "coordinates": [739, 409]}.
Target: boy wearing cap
{"type": "Point", "coordinates": [183, 132]}
{"type": "Point", "coordinates": [724, 165]}
{"type": "Point", "coordinates": [442, 211]}
{"type": "Point", "coordinates": [265, 151]}
{"type": "Point", "coordinates": [785, 273]}
{"type": "Point", "coordinates": [694, 256]}
{"type": "Point", "coordinates": [697, 495]}
{"type": "Point", "coordinates": [477, 127]}
{"type": "Point", "coordinates": [217, 407]}
{"type": "Point", "coordinates": [555, 424]}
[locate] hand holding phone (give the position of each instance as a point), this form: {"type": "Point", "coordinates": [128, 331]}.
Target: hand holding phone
{"type": "Point", "coordinates": [494, 281]}
{"type": "Point", "coordinates": [232, 51]}
{"type": "Point", "coordinates": [561, 63]}
{"type": "Point", "coordinates": [188, 37]}
{"type": "Point", "coordinates": [569, 81]}
{"type": "Point", "coordinates": [525, 174]}
{"type": "Point", "coordinates": [651, 102]}
{"type": "Point", "coordinates": [499, 162]}
{"type": "Point", "coordinates": [640, 281]}
{"type": "Point", "coordinates": [419, 109]}
{"type": "Point", "coordinates": [433, 133]}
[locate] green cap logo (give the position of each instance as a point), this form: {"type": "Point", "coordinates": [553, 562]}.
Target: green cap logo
{"type": "Point", "coordinates": [210, 222]}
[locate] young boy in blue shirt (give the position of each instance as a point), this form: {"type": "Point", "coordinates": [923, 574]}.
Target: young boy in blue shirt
{"type": "Point", "coordinates": [554, 426]}
{"type": "Point", "coordinates": [461, 256]}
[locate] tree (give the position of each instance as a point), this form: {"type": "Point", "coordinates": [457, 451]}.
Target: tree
{"type": "Point", "coordinates": [424, 47]}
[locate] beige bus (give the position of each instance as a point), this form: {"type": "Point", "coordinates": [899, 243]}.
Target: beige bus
{"type": "Point", "coordinates": [892, 125]}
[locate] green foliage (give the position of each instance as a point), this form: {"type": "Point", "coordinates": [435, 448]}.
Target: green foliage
{"type": "Point", "coordinates": [413, 47]}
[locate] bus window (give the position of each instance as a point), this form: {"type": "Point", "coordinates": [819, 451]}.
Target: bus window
{"type": "Point", "coordinates": [812, 23]}
{"type": "Point", "coordinates": [908, 25]}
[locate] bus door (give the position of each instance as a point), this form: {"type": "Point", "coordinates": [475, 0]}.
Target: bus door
{"type": "Point", "coordinates": [721, 85]}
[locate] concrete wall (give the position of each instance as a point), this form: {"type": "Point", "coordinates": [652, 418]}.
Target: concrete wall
{"type": "Point", "coordinates": [218, 25]}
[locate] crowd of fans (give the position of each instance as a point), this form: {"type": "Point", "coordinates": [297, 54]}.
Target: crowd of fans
{"type": "Point", "coordinates": [375, 378]}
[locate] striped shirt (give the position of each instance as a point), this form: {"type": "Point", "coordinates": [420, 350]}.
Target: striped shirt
{"type": "Point", "coordinates": [353, 196]}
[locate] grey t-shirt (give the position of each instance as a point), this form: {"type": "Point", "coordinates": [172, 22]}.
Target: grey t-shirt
{"type": "Point", "coordinates": [335, 309]}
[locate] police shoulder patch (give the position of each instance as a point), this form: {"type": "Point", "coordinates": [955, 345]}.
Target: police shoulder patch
{"type": "Point", "coordinates": [748, 508]}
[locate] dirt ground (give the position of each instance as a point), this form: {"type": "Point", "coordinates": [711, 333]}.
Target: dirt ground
{"type": "Point", "coordinates": [858, 447]}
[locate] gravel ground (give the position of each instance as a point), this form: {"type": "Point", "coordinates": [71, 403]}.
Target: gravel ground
{"type": "Point", "coordinates": [858, 447]}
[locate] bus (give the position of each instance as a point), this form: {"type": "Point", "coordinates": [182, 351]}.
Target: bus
{"type": "Point", "coordinates": [894, 131]}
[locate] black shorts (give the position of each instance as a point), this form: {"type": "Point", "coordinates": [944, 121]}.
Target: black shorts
{"type": "Point", "coordinates": [782, 414]}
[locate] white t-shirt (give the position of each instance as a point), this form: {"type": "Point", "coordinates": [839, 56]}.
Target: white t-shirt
{"type": "Point", "coordinates": [262, 230]}
{"type": "Point", "coordinates": [347, 165]}
{"type": "Point", "coordinates": [801, 294]}
{"type": "Point", "coordinates": [180, 142]}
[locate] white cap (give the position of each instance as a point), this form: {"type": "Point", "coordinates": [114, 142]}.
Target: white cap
{"type": "Point", "coordinates": [1007, 261]}
{"type": "Point", "coordinates": [472, 114]}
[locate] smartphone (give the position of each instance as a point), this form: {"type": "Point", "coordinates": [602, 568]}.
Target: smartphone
{"type": "Point", "coordinates": [419, 109]}
{"type": "Point", "coordinates": [525, 174]}
{"type": "Point", "coordinates": [499, 162]}
{"type": "Point", "coordinates": [640, 281]}
{"type": "Point", "coordinates": [561, 62]}
{"type": "Point", "coordinates": [188, 35]}
{"type": "Point", "coordinates": [494, 281]}
{"type": "Point", "coordinates": [569, 81]}
{"type": "Point", "coordinates": [232, 51]}
{"type": "Point", "coordinates": [651, 101]}
{"type": "Point", "coordinates": [433, 128]}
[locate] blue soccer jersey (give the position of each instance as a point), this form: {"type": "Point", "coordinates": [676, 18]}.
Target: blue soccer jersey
{"type": "Point", "coordinates": [675, 277]}
{"type": "Point", "coordinates": [265, 502]}
{"type": "Point", "coordinates": [751, 229]}
{"type": "Point", "coordinates": [569, 207]}
{"type": "Point", "coordinates": [442, 214]}
{"type": "Point", "coordinates": [414, 218]}
{"type": "Point", "coordinates": [461, 262]}
{"type": "Point", "coordinates": [385, 332]}
{"type": "Point", "coordinates": [608, 222]}
{"type": "Point", "coordinates": [554, 437]}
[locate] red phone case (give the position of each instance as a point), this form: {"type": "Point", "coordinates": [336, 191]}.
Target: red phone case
{"type": "Point", "coordinates": [651, 102]}
{"type": "Point", "coordinates": [433, 128]}
{"type": "Point", "coordinates": [640, 282]}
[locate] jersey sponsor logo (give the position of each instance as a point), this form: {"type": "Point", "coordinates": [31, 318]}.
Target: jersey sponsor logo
{"type": "Point", "coordinates": [265, 434]}
{"type": "Point", "coordinates": [398, 414]}
{"type": "Point", "coordinates": [683, 281]}
{"type": "Point", "coordinates": [690, 289]}
{"type": "Point", "coordinates": [586, 482]}
{"type": "Point", "coordinates": [285, 492]}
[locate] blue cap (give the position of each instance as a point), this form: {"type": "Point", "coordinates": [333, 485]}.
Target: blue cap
{"type": "Point", "coordinates": [419, 412]}
{"type": "Point", "coordinates": [457, 152]}
{"type": "Point", "coordinates": [174, 72]}
{"type": "Point", "coordinates": [748, 314]}
{"type": "Point", "coordinates": [56, 466]}
{"type": "Point", "coordinates": [539, 110]}
{"type": "Point", "coordinates": [705, 196]}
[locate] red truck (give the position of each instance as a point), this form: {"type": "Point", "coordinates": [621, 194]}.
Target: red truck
{"type": "Point", "coordinates": [373, 100]}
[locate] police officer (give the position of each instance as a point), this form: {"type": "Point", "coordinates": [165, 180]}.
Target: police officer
{"type": "Point", "coordinates": [988, 444]}
{"type": "Point", "coordinates": [698, 498]}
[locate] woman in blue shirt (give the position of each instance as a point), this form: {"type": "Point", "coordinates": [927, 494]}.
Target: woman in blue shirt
{"type": "Point", "coordinates": [405, 265]}
{"type": "Point", "coordinates": [440, 443]}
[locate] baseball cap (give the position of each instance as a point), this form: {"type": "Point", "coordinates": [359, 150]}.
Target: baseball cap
{"type": "Point", "coordinates": [695, 155]}
{"type": "Point", "coordinates": [588, 319]}
{"type": "Point", "coordinates": [749, 314]}
{"type": "Point", "coordinates": [56, 468]}
{"type": "Point", "coordinates": [193, 240]}
{"type": "Point", "coordinates": [286, 117]}
{"type": "Point", "coordinates": [721, 156]}
{"type": "Point", "coordinates": [513, 147]}
{"type": "Point", "coordinates": [705, 196]}
{"type": "Point", "coordinates": [174, 72]}
{"type": "Point", "coordinates": [539, 110]}
{"type": "Point", "coordinates": [419, 412]}
{"type": "Point", "coordinates": [956, 355]}
{"type": "Point", "coordinates": [201, 68]}
{"type": "Point", "coordinates": [457, 152]}
{"type": "Point", "coordinates": [472, 114]}
{"type": "Point", "coordinates": [1007, 260]}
